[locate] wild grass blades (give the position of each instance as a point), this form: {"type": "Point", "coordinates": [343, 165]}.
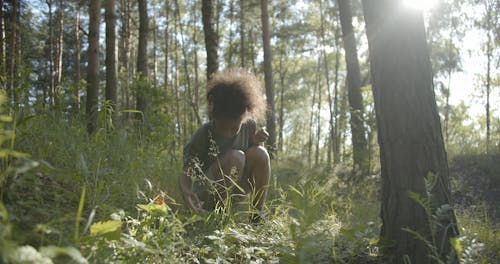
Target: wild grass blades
{"type": "Point", "coordinates": [320, 219]}
{"type": "Point", "coordinates": [79, 215]}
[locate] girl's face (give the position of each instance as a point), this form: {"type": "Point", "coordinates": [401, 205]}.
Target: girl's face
{"type": "Point", "coordinates": [228, 127]}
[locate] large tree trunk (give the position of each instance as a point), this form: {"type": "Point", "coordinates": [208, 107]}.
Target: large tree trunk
{"type": "Point", "coordinates": [142, 57]}
{"type": "Point", "coordinates": [93, 66]}
{"type": "Point", "coordinates": [410, 138]}
{"type": "Point", "coordinates": [111, 54]}
{"type": "Point", "coordinates": [359, 144]}
{"type": "Point", "coordinates": [207, 13]}
{"type": "Point", "coordinates": [268, 76]}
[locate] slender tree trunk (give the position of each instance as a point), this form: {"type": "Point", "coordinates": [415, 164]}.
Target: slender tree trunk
{"type": "Point", "coordinates": [125, 54]}
{"type": "Point", "coordinates": [489, 57]}
{"type": "Point", "coordinates": [343, 108]}
{"type": "Point", "coordinates": [196, 92]}
{"type": "Point", "coordinates": [411, 143]}
{"type": "Point", "coordinates": [142, 58]}
{"type": "Point", "coordinates": [210, 37]}
{"type": "Point", "coordinates": [331, 138]}
{"type": "Point", "coordinates": [188, 100]}
{"type": "Point", "coordinates": [93, 66]}
{"type": "Point", "coordinates": [13, 53]}
{"type": "Point", "coordinates": [51, 57]}
{"type": "Point", "coordinates": [230, 49]}
{"type": "Point", "coordinates": [167, 45]}
{"type": "Point", "coordinates": [155, 44]}
{"type": "Point", "coordinates": [268, 76]}
{"type": "Point", "coordinates": [18, 93]}
{"type": "Point", "coordinates": [318, 114]}
{"type": "Point", "coordinates": [60, 43]}
{"type": "Point", "coordinates": [111, 55]}
{"type": "Point", "coordinates": [281, 117]}
{"type": "Point", "coordinates": [3, 66]}
{"type": "Point", "coordinates": [311, 125]}
{"type": "Point", "coordinates": [359, 144]}
{"type": "Point", "coordinates": [175, 76]}
{"type": "Point", "coordinates": [242, 34]}
{"type": "Point", "coordinates": [253, 52]}
{"type": "Point", "coordinates": [336, 125]}
{"type": "Point", "coordinates": [78, 47]}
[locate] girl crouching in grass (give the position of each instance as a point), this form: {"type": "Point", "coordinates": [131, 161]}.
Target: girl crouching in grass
{"type": "Point", "coordinates": [225, 156]}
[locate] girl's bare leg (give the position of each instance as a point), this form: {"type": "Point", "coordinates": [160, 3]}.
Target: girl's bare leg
{"type": "Point", "coordinates": [256, 174]}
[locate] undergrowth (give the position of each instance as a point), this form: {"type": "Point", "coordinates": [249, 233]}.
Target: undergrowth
{"type": "Point", "coordinates": [113, 198]}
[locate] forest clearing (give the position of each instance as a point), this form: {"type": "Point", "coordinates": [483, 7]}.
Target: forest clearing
{"type": "Point", "coordinates": [305, 131]}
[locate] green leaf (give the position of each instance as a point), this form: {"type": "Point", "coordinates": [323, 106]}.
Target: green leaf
{"type": "Point", "coordinates": [110, 229]}
{"type": "Point", "coordinates": [154, 209]}
{"type": "Point", "coordinates": [5, 118]}
{"type": "Point", "coordinates": [7, 152]}
{"type": "Point", "coordinates": [457, 246]}
{"type": "Point", "coordinates": [53, 252]}
{"type": "Point", "coordinates": [4, 215]}
{"type": "Point", "coordinates": [349, 233]}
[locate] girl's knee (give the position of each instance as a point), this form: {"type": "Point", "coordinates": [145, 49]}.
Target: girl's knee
{"type": "Point", "coordinates": [234, 158]}
{"type": "Point", "coordinates": [258, 154]}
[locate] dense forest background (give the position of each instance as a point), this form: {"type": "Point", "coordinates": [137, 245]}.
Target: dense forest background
{"type": "Point", "coordinates": [99, 97]}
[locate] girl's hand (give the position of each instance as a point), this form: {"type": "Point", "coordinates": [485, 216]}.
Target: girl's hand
{"type": "Point", "coordinates": [260, 136]}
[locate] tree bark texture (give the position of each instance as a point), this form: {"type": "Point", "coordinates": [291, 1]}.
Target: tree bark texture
{"type": "Point", "coordinates": [242, 34]}
{"type": "Point", "coordinates": [78, 46]}
{"type": "Point", "coordinates": [60, 43]}
{"type": "Point", "coordinates": [93, 66]}
{"type": "Point", "coordinates": [51, 57]}
{"type": "Point", "coordinates": [111, 54]}
{"type": "Point", "coordinates": [359, 144]}
{"type": "Point", "coordinates": [14, 49]}
{"type": "Point", "coordinates": [3, 69]}
{"type": "Point", "coordinates": [268, 76]}
{"type": "Point", "coordinates": [409, 130]}
{"type": "Point", "coordinates": [125, 53]}
{"type": "Point", "coordinates": [167, 47]}
{"type": "Point", "coordinates": [211, 42]}
{"type": "Point", "coordinates": [142, 56]}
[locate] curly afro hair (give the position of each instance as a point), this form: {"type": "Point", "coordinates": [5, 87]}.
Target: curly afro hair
{"type": "Point", "coordinates": [235, 93]}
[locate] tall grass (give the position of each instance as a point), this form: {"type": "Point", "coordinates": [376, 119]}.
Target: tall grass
{"type": "Point", "coordinates": [130, 212]}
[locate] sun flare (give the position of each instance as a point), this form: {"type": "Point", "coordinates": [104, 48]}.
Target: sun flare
{"type": "Point", "coordinates": [424, 5]}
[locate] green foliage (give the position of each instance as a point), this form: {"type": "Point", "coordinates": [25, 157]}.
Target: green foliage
{"type": "Point", "coordinates": [109, 229]}
{"type": "Point", "coordinates": [312, 215]}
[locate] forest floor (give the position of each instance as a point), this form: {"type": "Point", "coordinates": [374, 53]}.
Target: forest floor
{"type": "Point", "coordinates": [96, 200]}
